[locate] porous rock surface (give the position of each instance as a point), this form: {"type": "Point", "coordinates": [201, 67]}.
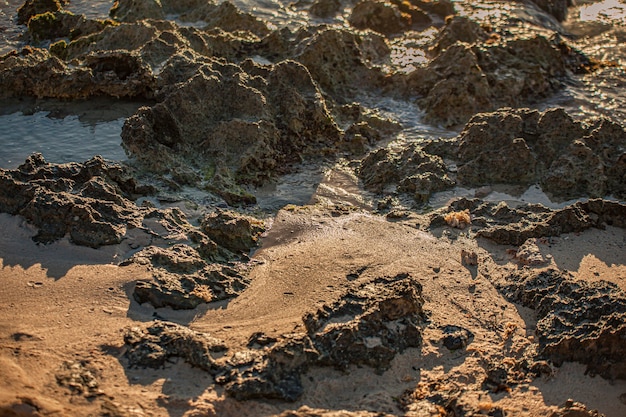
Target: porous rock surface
{"type": "Point", "coordinates": [567, 158]}
{"type": "Point", "coordinates": [91, 201]}
{"type": "Point", "coordinates": [369, 325]}
{"type": "Point", "coordinates": [409, 170]}
{"type": "Point", "coordinates": [182, 279]}
{"type": "Point", "coordinates": [577, 320]}
{"type": "Point", "coordinates": [473, 71]}
{"type": "Point", "coordinates": [514, 226]}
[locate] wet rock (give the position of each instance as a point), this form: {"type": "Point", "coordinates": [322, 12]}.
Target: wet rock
{"type": "Point", "coordinates": [154, 345]}
{"type": "Point", "coordinates": [63, 24]}
{"type": "Point", "coordinates": [34, 72]}
{"type": "Point", "coordinates": [522, 146]}
{"type": "Point", "coordinates": [465, 79]}
{"type": "Point", "coordinates": [90, 202]}
{"type": "Point", "coordinates": [34, 7]}
{"type": "Point", "coordinates": [380, 16]}
{"type": "Point", "coordinates": [408, 170]}
{"type": "Point", "coordinates": [181, 279]}
{"type": "Point", "coordinates": [342, 62]}
{"type": "Point", "coordinates": [514, 226]}
{"type": "Point", "coordinates": [556, 8]}
{"type": "Point", "coordinates": [325, 8]}
{"type": "Point", "coordinates": [577, 320]}
{"type": "Point", "coordinates": [370, 324]}
{"type": "Point", "coordinates": [456, 337]}
{"type": "Point", "coordinates": [235, 232]}
{"type": "Point", "coordinates": [251, 130]}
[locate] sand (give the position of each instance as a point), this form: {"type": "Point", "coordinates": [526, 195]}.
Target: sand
{"type": "Point", "coordinates": [63, 304]}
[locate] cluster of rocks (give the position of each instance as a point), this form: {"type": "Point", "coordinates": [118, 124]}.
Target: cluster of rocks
{"type": "Point", "coordinates": [183, 276]}
{"type": "Point", "coordinates": [368, 325]}
{"type": "Point", "coordinates": [577, 320]}
{"type": "Point", "coordinates": [287, 105]}
{"type": "Point", "coordinates": [91, 202]}
{"type": "Point", "coordinates": [514, 226]}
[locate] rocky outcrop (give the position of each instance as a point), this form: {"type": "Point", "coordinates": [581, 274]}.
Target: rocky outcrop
{"type": "Point", "coordinates": [90, 202]}
{"type": "Point", "coordinates": [35, 72]}
{"type": "Point", "coordinates": [522, 146]}
{"type": "Point", "coordinates": [182, 279]}
{"type": "Point", "coordinates": [577, 320]}
{"type": "Point", "coordinates": [369, 325]}
{"type": "Point", "coordinates": [259, 120]}
{"type": "Point", "coordinates": [475, 71]}
{"type": "Point", "coordinates": [380, 16]}
{"type": "Point", "coordinates": [514, 226]}
{"type": "Point", "coordinates": [34, 7]}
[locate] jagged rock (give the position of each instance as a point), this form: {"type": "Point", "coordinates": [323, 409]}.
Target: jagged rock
{"type": "Point", "coordinates": [34, 72]}
{"type": "Point", "coordinates": [250, 130]}
{"type": "Point", "coordinates": [235, 232]}
{"type": "Point", "coordinates": [342, 62]}
{"type": "Point", "coordinates": [529, 254]}
{"type": "Point", "coordinates": [380, 16]}
{"type": "Point", "coordinates": [370, 324]}
{"type": "Point", "coordinates": [572, 408]}
{"type": "Point", "coordinates": [63, 24]}
{"type": "Point", "coordinates": [90, 201]}
{"type": "Point", "coordinates": [34, 7]}
{"type": "Point", "coordinates": [181, 279]}
{"type": "Point", "coordinates": [409, 169]}
{"type": "Point", "coordinates": [514, 226]}
{"type": "Point", "coordinates": [456, 337]}
{"type": "Point", "coordinates": [469, 78]}
{"type": "Point", "coordinates": [522, 146]}
{"type": "Point", "coordinates": [159, 341]}
{"type": "Point", "coordinates": [577, 320]}
{"type": "Point", "coordinates": [325, 8]}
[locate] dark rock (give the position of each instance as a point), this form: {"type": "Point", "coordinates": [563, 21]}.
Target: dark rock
{"type": "Point", "coordinates": [90, 201]}
{"type": "Point", "coordinates": [34, 72]}
{"type": "Point", "coordinates": [79, 377]}
{"type": "Point", "coordinates": [34, 7]}
{"type": "Point", "coordinates": [370, 324]}
{"type": "Point", "coordinates": [557, 8]}
{"type": "Point", "coordinates": [155, 344]}
{"type": "Point", "coordinates": [456, 337]}
{"type": "Point", "coordinates": [380, 16]}
{"type": "Point", "coordinates": [181, 279]}
{"type": "Point", "coordinates": [577, 320]}
{"type": "Point", "coordinates": [325, 8]}
{"type": "Point", "coordinates": [409, 170]}
{"type": "Point", "coordinates": [235, 232]}
{"type": "Point", "coordinates": [63, 24]}
{"type": "Point", "coordinates": [514, 226]}
{"type": "Point", "coordinates": [522, 146]}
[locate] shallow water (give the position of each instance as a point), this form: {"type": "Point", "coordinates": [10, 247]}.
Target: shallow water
{"type": "Point", "coordinates": [79, 132]}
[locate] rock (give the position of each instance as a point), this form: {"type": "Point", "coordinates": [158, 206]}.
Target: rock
{"type": "Point", "coordinates": [529, 254]}
{"type": "Point", "coordinates": [370, 324]}
{"type": "Point", "coordinates": [514, 226]}
{"type": "Point", "coordinates": [252, 129]}
{"type": "Point", "coordinates": [159, 341]}
{"type": "Point", "coordinates": [181, 279]}
{"type": "Point", "coordinates": [522, 146]}
{"type": "Point", "coordinates": [410, 169]}
{"type": "Point", "coordinates": [34, 7]}
{"type": "Point", "coordinates": [380, 16]}
{"type": "Point", "coordinates": [557, 8]}
{"type": "Point", "coordinates": [34, 72]}
{"type": "Point", "coordinates": [79, 378]}
{"type": "Point", "coordinates": [325, 8]}
{"type": "Point", "coordinates": [91, 202]}
{"type": "Point", "coordinates": [577, 320]}
{"type": "Point", "coordinates": [468, 78]}
{"type": "Point", "coordinates": [306, 411]}
{"type": "Point", "coordinates": [456, 337]}
{"type": "Point", "coordinates": [235, 232]}
{"type": "Point", "coordinates": [63, 24]}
